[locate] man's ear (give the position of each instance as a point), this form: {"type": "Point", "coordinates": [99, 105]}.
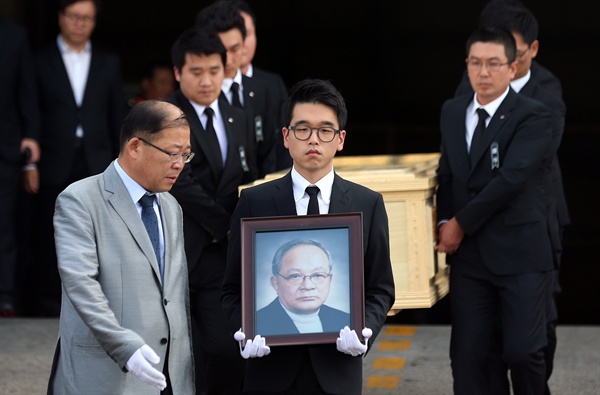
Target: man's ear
{"type": "Point", "coordinates": [274, 283]}
{"type": "Point", "coordinates": [535, 47]}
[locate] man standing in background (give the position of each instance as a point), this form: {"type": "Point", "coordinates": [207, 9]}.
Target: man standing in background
{"type": "Point", "coordinates": [82, 106]}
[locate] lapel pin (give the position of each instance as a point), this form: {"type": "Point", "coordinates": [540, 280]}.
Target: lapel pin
{"type": "Point", "coordinates": [251, 94]}
{"type": "Point", "coordinates": [230, 120]}
{"type": "Point", "coordinates": [502, 117]}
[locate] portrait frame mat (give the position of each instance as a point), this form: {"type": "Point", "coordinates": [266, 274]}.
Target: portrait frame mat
{"type": "Point", "coordinates": [253, 228]}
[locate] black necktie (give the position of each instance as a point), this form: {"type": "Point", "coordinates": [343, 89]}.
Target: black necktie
{"type": "Point", "coordinates": [235, 95]}
{"type": "Point", "coordinates": [478, 133]}
{"type": "Point", "coordinates": [313, 203]}
{"type": "Point", "coordinates": [212, 134]}
{"type": "Point", "coordinates": [151, 223]}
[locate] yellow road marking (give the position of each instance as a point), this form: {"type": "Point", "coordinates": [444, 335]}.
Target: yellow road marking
{"type": "Point", "coordinates": [391, 345]}
{"type": "Point", "coordinates": [389, 363]}
{"type": "Point", "coordinates": [400, 330]}
{"type": "Point", "coordinates": [383, 381]}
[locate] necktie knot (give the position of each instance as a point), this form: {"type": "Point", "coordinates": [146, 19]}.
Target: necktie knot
{"type": "Point", "coordinates": [313, 203]}
{"type": "Point", "coordinates": [209, 112]}
{"type": "Point", "coordinates": [483, 115]}
{"type": "Point", "coordinates": [147, 201]}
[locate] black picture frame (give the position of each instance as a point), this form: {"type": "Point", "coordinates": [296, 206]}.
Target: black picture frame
{"type": "Point", "coordinates": [342, 236]}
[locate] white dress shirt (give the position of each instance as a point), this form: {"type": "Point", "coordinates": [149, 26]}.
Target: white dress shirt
{"type": "Point", "coordinates": [226, 86]}
{"type": "Point", "coordinates": [301, 198]}
{"type": "Point", "coordinates": [218, 124]}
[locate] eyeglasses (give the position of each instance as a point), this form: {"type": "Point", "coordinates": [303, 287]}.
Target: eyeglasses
{"type": "Point", "coordinates": [303, 132]}
{"type": "Point", "coordinates": [297, 279]}
{"type": "Point", "coordinates": [522, 53]}
{"type": "Point", "coordinates": [476, 65]}
{"type": "Point", "coordinates": [173, 156]}
{"type": "Point", "coordinates": [73, 18]}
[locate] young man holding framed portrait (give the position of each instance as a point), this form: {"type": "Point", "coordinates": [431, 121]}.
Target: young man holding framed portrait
{"type": "Point", "coordinates": [317, 114]}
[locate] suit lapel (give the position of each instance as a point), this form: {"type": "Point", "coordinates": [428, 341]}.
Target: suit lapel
{"type": "Point", "coordinates": [60, 75]}
{"type": "Point", "coordinates": [95, 69]}
{"type": "Point", "coordinates": [283, 196]}
{"type": "Point", "coordinates": [456, 138]}
{"type": "Point", "coordinates": [231, 129]}
{"type": "Point", "coordinates": [497, 122]}
{"type": "Point", "coordinates": [206, 144]}
{"type": "Point", "coordinates": [340, 201]}
{"type": "Point", "coordinates": [121, 201]}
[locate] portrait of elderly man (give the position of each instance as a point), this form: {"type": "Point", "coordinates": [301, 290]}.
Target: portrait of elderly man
{"type": "Point", "coordinates": [301, 276]}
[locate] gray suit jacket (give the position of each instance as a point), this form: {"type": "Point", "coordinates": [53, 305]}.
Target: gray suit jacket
{"type": "Point", "coordinates": [113, 301]}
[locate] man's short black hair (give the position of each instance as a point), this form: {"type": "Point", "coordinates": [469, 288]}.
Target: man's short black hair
{"type": "Point", "coordinates": [197, 42]}
{"type": "Point", "coordinates": [316, 92]}
{"type": "Point", "coordinates": [495, 35]}
{"type": "Point", "coordinates": [221, 17]}
{"type": "Point", "coordinates": [512, 16]}
{"type": "Point", "coordinates": [63, 4]}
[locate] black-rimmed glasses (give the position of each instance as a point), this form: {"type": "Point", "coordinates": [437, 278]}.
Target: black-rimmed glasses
{"type": "Point", "coordinates": [173, 156]}
{"type": "Point", "coordinates": [303, 132]}
{"type": "Point", "coordinates": [297, 278]}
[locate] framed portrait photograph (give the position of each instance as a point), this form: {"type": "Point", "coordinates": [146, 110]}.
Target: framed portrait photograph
{"type": "Point", "coordinates": [302, 277]}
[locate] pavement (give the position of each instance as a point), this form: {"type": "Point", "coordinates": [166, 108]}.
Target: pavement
{"type": "Point", "coordinates": [406, 360]}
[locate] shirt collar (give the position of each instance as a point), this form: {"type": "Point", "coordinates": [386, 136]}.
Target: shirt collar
{"type": "Point", "coordinates": [200, 108]}
{"type": "Point", "coordinates": [300, 183]}
{"type": "Point", "coordinates": [136, 191]}
{"type": "Point", "coordinates": [227, 82]}
{"type": "Point", "coordinates": [519, 83]}
{"type": "Point", "coordinates": [492, 106]}
{"type": "Point", "coordinates": [250, 72]}
{"type": "Point", "coordinates": [64, 48]}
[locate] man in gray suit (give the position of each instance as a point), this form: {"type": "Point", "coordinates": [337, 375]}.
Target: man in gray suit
{"type": "Point", "coordinates": [119, 242]}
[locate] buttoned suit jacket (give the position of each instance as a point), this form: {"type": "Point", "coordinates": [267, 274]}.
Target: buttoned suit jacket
{"type": "Point", "coordinates": [101, 113]}
{"type": "Point", "coordinates": [113, 301]}
{"type": "Point", "coordinates": [208, 191]}
{"type": "Point", "coordinates": [273, 320]}
{"type": "Point", "coordinates": [337, 372]}
{"type": "Point", "coordinates": [502, 210]}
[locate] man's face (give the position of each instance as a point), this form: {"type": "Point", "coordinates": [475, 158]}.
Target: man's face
{"type": "Point", "coordinates": [77, 23]}
{"type": "Point", "coordinates": [156, 172]}
{"type": "Point", "coordinates": [525, 54]}
{"type": "Point", "coordinates": [201, 78]}
{"type": "Point", "coordinates": [313, 158]}
{"type": "Point", "coordinates": [306, 297]}
{"type": "Point", "coordinates": [249, 42]}
{"type": "Point", "coordinates": [234, 44]}
{"type": "Point", "coordinates": [161, 85]}
{"type": "Point", "coordinates": [489, 84]}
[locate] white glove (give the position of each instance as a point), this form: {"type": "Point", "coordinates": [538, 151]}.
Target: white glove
{"type": "Point", "coordinates": [348, 342]}
{"type": "Point", "coordinates": [254, 348]}
{"type": "Point", "coordinates": [139, 366]}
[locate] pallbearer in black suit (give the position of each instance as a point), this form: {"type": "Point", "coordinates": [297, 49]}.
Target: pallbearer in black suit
{"type": "Point", "coordinates": [492, 204]}
{"type": "Point", "coordinates": [316, 115]}
{"type": "Point", "coordinates": [241, 91]}
{"type": "Point", "coordinates": [207, 190]}
{"type": "Point", "coordinates": [82, 107]}
{"type": "Point", "coordinates": [276, 90]}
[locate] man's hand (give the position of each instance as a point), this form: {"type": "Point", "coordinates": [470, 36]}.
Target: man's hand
{"type": "Point", "coordinates": [450, 236]}
{"type": "Point", "coordinates": [34, 148]}
{"type": "Point", "coordinates": [139, 366]}
{"type": "Point", "coordinates": [348, 342]}
{"type": "Point", "coordinates": [254, 348]}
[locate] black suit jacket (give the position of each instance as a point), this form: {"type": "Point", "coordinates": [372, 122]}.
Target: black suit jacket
{"type": "Point", "coordinates": [19, 115]}
{"type": "Point", "coordinates": [277, 94]}
{"type": "Point", "coordinates": [503, 210]}
{"type": "Point", "coordinates": [539, 74]}
{"type": "Point", "coordinates": [337, 373]}
{"type": "Point", "coordinates": [536, 91]}
{"type": "Point", "coordinates": [273, 320]}
{"type": "Point", "coordinates": [101, 113]}
{"type": "Point", "coordinates": [207, 191]}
